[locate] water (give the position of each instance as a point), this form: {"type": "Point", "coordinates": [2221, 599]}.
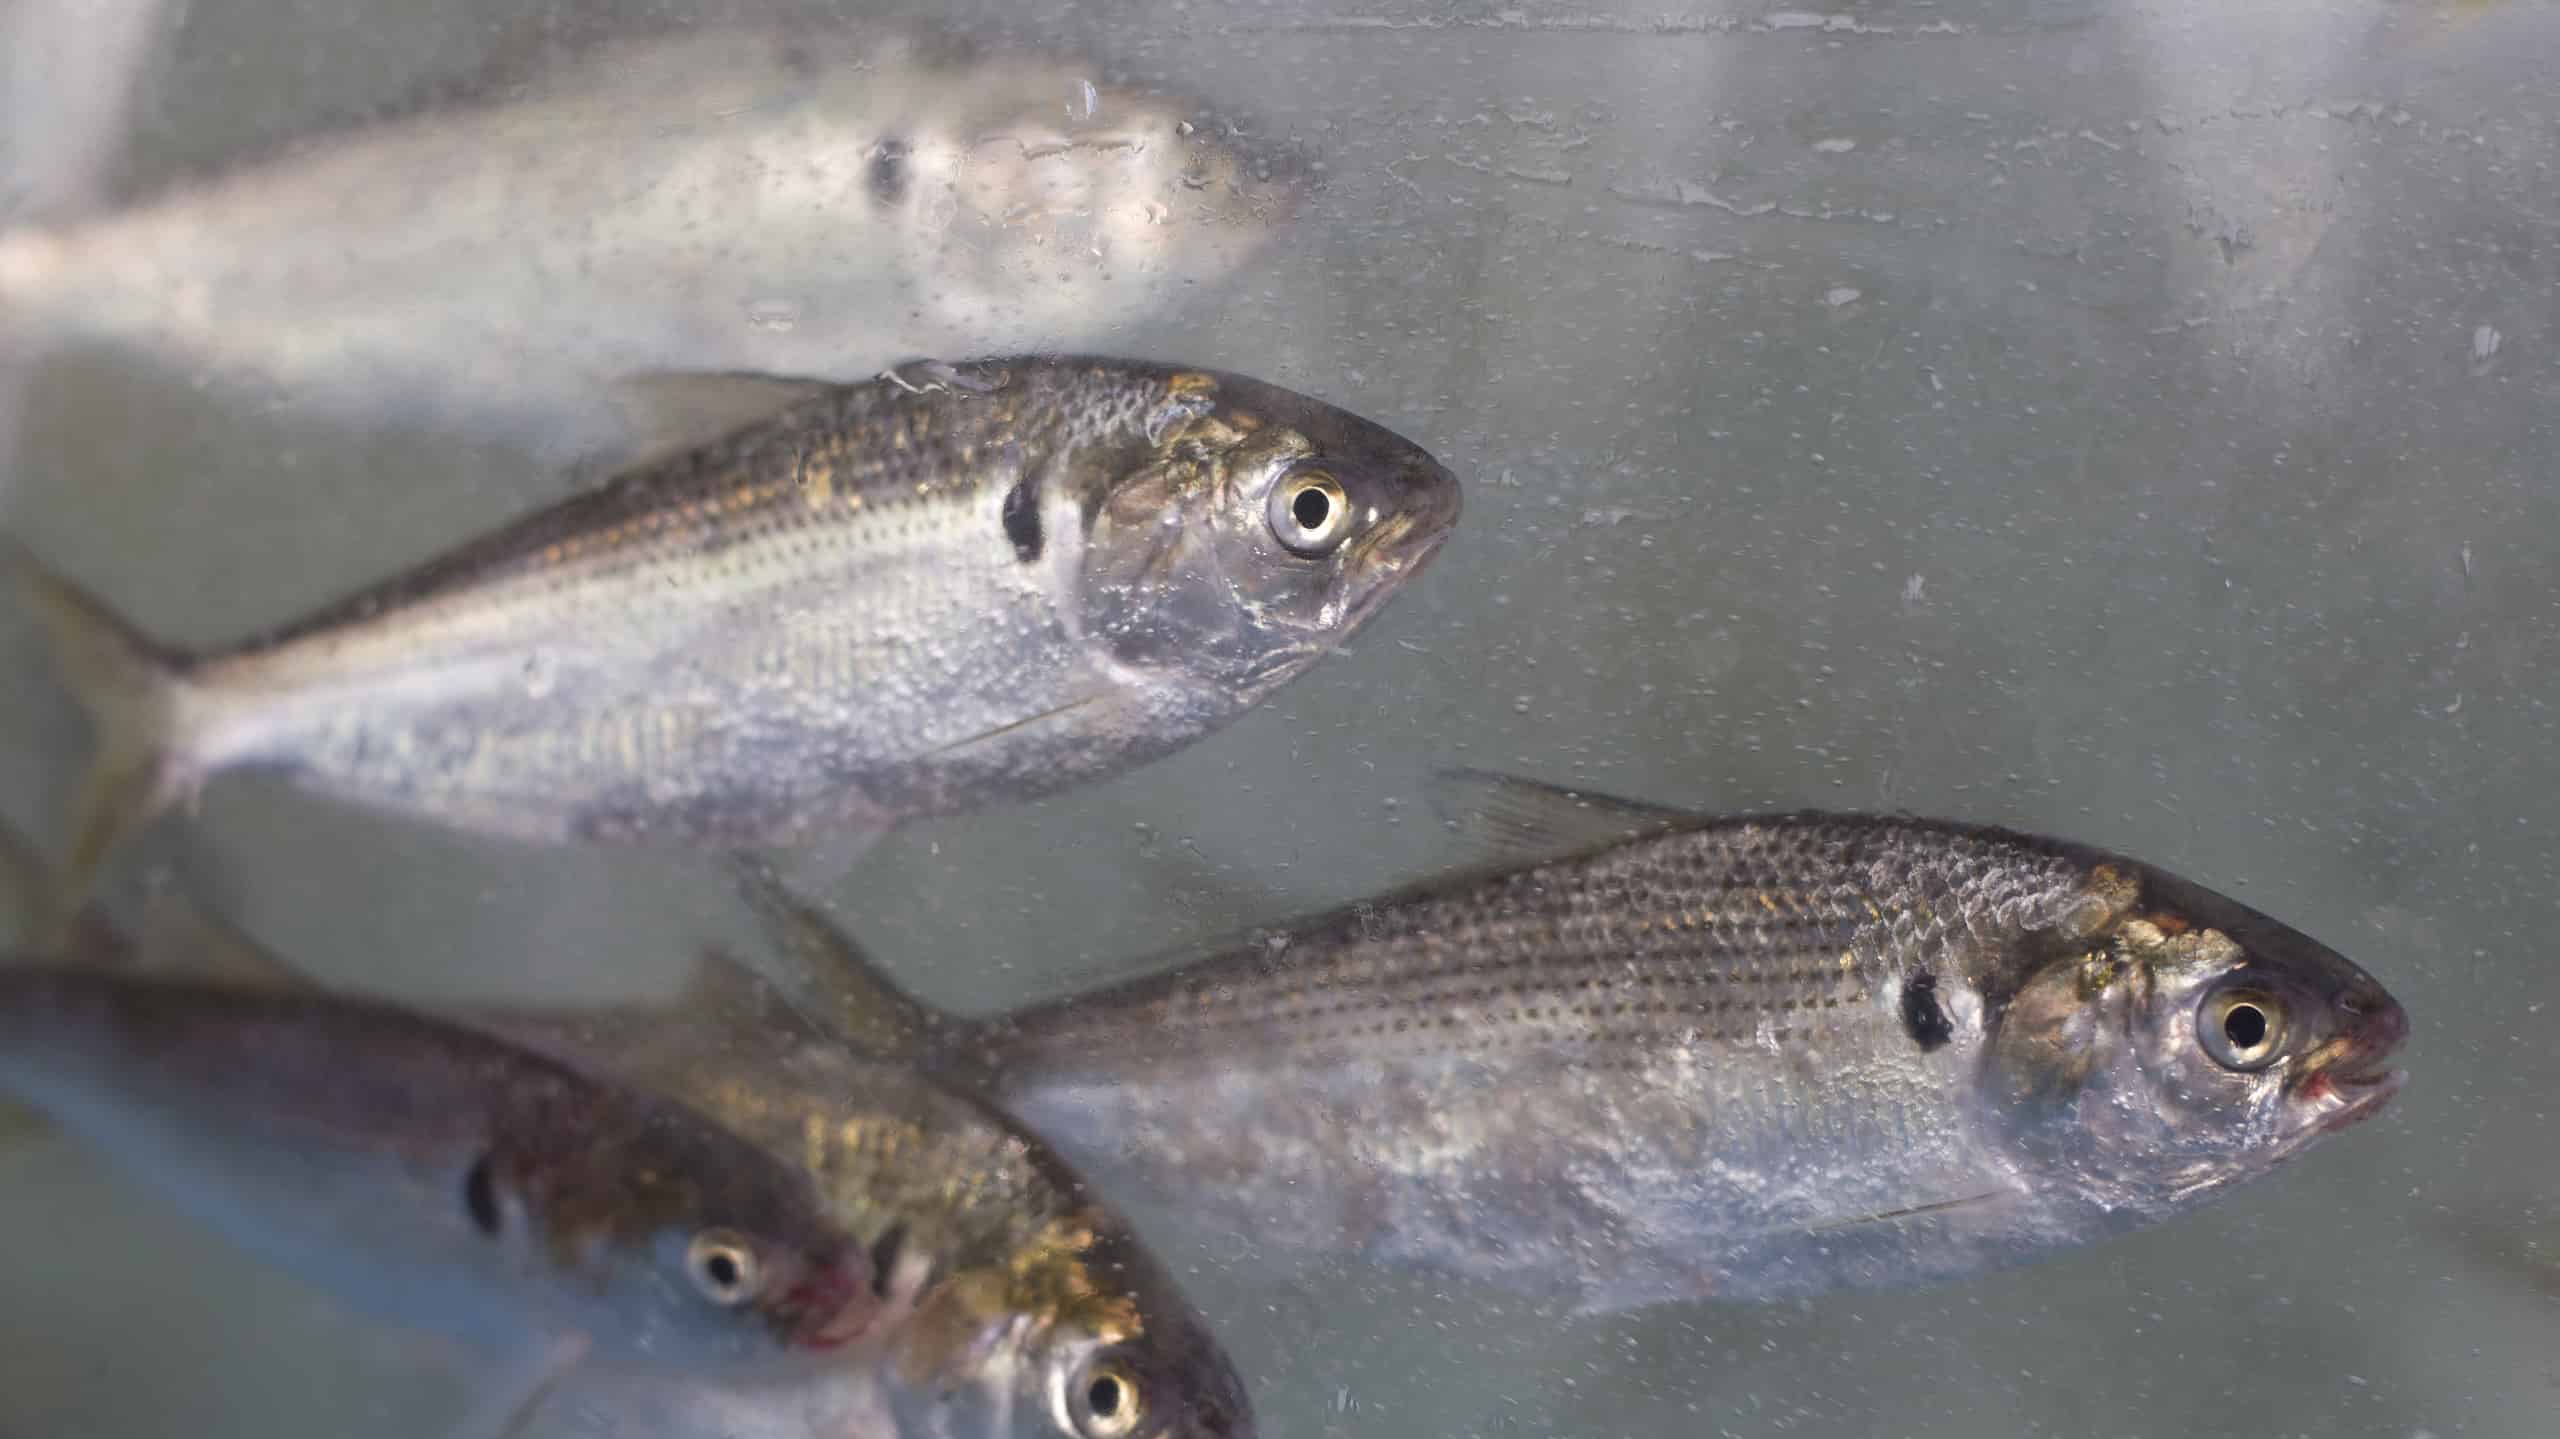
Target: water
{"type": "Point", "coordinates": [2130, 422]}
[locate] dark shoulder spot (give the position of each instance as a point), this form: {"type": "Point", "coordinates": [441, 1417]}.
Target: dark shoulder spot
{"type": "Point", "coordinates": [1926, 1023]}
{"type": "Point", "coordinates": [1022, 517]}
{"type": "Point", "coordinates": [480, 1197]}
{"type": "Point", "coordinates": [887, 176]}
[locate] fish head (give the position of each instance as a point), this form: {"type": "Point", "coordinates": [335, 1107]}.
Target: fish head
{"type": "Point", "coordinates": [707, 1259]}
{"type": "Point", "coordinates": [2173, 1041]}
{"type": "Point", "coordinates": [749, 1296]}
{"type": "Point", "coordinates": [1246, 530]}
{"type": "Point", "coordinates": [1077, 1334]}
{"type": "Point", "coordinates": [1175, 1386]}
{"type": "Point", "coordinates": [1036, 202]}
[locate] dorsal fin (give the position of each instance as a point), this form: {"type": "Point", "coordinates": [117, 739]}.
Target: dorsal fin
{"type": "Point", "coordinates": [724, 1007]}
{"type": "Point", "coordinates": [844, 990]}
{"type": "Point", "coordinates": [1510, 822]}
{"type": "Point", "coordinates": [666, 412]}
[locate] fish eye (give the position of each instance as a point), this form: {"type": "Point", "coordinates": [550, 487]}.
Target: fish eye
{"type": "Point", "coordinates": [723, 1267]}
{"type": "Point", "coordinates": [1106, 1403]}
{"type": "Point", "coordinates": [1309, 512]}
{"type": "Point", "coordinates": [2241, 1028]}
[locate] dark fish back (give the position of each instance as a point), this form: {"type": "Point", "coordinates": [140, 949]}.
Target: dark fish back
{"type": "Point", "coordinates": [841, 450]}
{"type": "Point", "coordinates": [1731, 931]}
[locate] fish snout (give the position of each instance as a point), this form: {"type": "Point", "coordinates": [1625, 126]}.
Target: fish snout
{"type": "Point", "coordinates": [2372, 1023]}
{"type": "Point", "coordinates": [1423, 499]}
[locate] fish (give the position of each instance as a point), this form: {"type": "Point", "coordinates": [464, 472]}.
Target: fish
{"type": "Point", "coordinates": [1005, 1301]}
{"type": "Point", "coordinates": [1641, 1055]}
{"type": "Point", "coordinates": [943, 588]}
{"type": "Point", "coordinates": [1025, 1309]}
{"type": "Point", "coordinates": [444, 1178]}
{"type": "Point", "coordinates": [753, 198]}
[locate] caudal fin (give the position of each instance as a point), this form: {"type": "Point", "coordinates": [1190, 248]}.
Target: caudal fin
{"type": "Point", "coordinates": [135, 695]}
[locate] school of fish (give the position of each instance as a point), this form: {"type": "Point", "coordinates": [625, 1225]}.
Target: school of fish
{"type": "Point", "coordinates": [735, 1224]}
{"type": "Point", "coordinates": [1631, 1056]}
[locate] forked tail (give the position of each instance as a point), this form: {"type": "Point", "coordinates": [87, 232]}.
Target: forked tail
{"type": "Point", "coordinates": [135, 693]}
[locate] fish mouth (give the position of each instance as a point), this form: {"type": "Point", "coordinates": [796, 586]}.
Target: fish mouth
{"type": "Point", "coordinates": [2353, 1098]}
{"type": "Point", "coordinates": [2339, 1098]}
{"type": "Point", "coordinates": [1403, 544]}
{"type": "Point", "coordinates": [1246, 178]}
{"type": "Point", "coordinates": [831, 1310]}
{"type": "Point", "coordinates": [1383, 577]}
{"type": "Point", "coordinates": [2349, 1079]}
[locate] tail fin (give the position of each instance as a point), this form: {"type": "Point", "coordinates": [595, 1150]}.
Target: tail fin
{"type": "Point", "coordinates": [29, 901]}
{"type": "Point", "coordinates": [848, 994]}
{"type": "Point", "coordinates": [134, 692]}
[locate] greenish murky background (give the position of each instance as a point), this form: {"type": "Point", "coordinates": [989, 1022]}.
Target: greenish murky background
{"type": "Point", "coordinates": [2133, 422]}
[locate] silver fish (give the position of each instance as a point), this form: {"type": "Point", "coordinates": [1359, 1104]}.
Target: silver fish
{"type": "Point", "coordinates": [822, 203]}
{"type": "Point", "coordinates": [1022, 1308]}
{"type": "Point", "coordinates": [1693, 1056]}
{"type": "Point", "coordinates": [900, 598]}
{"type": "Point", "coordinates": [1009, 1303]}
{"type": "Point", "coordinates": [446, 1179]}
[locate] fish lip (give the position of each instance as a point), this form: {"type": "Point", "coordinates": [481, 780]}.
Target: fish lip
{"type": "Point", "coordinates": [1396, 558]}
{"type": "Point", "coordinates": [1427, 508]}
{"type": "Point", "coordinates": [1267, 177]}
{"type": "Point", "coordinates": [1427, 500]}
{"type": "Point", "coordinates": [2347, 1099]}
{"type": "Point", "coordinates": [840, 1306]}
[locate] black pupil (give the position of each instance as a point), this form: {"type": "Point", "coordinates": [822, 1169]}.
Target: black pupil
{"type": "Point", "coordinates": [722, 1266]}
{"type": "Point", "coordinates": [1309, 508]}
{"type": "Point", "coordinates": [2245, 1026]}
{"type": "Point", "coordinates": [1104, 1396]}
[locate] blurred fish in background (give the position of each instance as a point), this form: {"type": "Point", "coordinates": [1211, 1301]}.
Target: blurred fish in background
{"type": "Point", "coordinates": [71, 67]}
{"type": "Point", "coordinates": [443, 1178]}
{"type": "Point", "coordinates": [823, 203]}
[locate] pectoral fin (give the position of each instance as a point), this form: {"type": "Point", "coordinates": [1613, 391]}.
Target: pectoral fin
{"type": "Point", "coordinates": [505, 1404]}
{"type": "Point", "coordinates": [1908, 1213]}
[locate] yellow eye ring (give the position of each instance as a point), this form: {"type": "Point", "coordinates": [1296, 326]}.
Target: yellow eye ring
{"type": "Point", "coordinates": [1309, 512]}
{"type": "Point", "coordinates": [1107, 1403]}
{"type": "Point", "coordinates": [723, 1268]}
{"type": "Point", "coordinates": [2241, 1028]}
